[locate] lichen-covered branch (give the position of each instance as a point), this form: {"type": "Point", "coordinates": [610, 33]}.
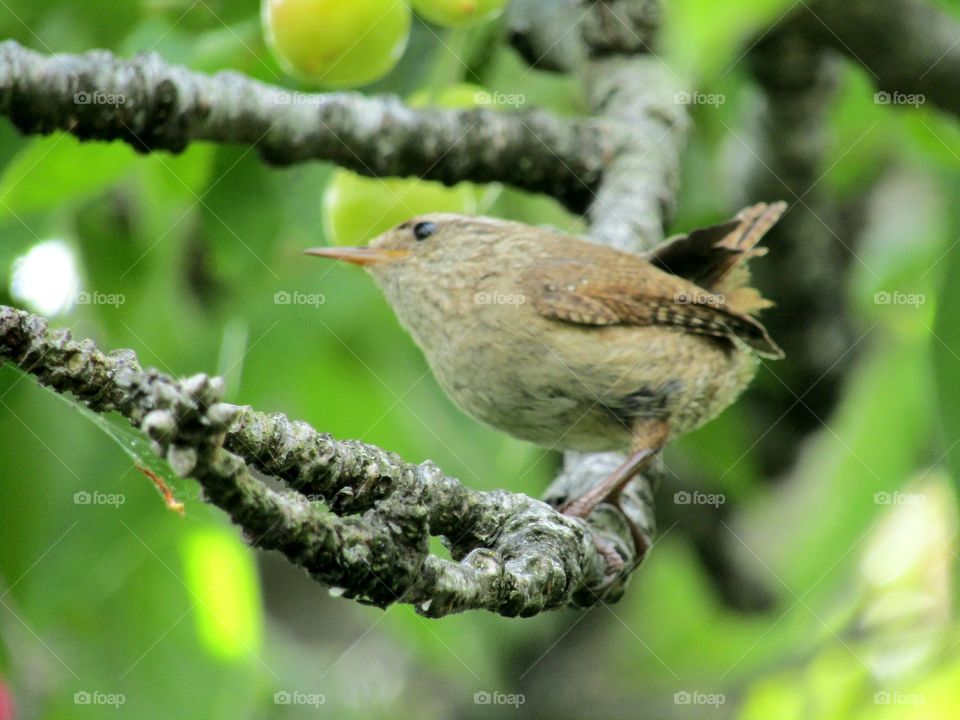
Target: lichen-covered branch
{"type": "Point", "coordinates": [153, 105]}
{"type": "Point", "coordinates": [560, 35]}
{"type": "Point", "coordinates": [359, 518]}
{"type": "Point", "coordinates": [609, 46]}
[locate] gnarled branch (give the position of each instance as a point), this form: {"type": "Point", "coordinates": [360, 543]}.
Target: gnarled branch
{"type": "Point", "coordinates": [359, 518]}
{"type": "Point", "coordinates": [153, 105]}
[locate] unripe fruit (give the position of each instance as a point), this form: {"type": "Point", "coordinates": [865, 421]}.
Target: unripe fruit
{"type": "Point", "coordinates": [336, 43]}
{"type": "Point", "coordinates": [357, 209]}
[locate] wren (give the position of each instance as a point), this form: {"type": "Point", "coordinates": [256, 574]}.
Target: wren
{"type": "Point", "coordinates": [574, 345]}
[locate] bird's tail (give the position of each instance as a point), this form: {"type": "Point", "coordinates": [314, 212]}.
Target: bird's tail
{"type": "Point", "coordinates": [732, 278]}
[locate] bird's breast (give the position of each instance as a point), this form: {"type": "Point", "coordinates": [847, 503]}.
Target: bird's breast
{"type": "Point", "coordinates": [563, 385]}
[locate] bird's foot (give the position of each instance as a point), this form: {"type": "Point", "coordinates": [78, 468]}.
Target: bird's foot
{"type": "Point", "coordinates": [609, 552]}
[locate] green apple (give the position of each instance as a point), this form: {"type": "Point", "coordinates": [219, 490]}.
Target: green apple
{"type": "Point", "coordinates": [356, 209]}
{"type": "Point", "coordinates": [337, 43]}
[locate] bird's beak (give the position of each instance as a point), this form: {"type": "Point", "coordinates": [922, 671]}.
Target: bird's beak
{"type": "Point", "coordinates": [359, 255]}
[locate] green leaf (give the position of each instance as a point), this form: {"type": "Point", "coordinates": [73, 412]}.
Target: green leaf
{"type": "Point", "coordinates": [132, 441]}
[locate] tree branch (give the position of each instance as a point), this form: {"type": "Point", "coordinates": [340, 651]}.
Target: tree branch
{"type": "Point", "coordinates": [908, 46]}
{"type": "Point", "coordinates": [812, 258]}
{"type": "Point", "coordinates": [560, 37]}
{"type": "Point", "coordinates": [156, 106]}
{"type": "Point", "coordinates": [359, 518]}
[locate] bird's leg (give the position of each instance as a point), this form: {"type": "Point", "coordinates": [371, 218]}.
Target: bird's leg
{"type": "Point", "coordinates": [649, 437]}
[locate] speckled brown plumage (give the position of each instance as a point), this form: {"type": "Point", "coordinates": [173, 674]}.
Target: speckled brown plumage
{"type": "Point", "coordinates": [573, 345]}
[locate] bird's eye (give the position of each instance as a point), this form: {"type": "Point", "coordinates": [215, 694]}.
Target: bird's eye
{"type": "Point", "coordinates": [423, 230]}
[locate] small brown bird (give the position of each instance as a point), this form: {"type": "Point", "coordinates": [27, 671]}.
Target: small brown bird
{"type": "Point", "coordinates": [573, 345]}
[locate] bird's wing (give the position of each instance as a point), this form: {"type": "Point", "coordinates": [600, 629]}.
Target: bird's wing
{"type": "Point", "coordinates": [587, 284]}
{"type": "Point", "coordinates": [716, 257]}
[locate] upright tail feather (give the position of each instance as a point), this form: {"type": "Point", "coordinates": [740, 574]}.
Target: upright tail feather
{"type": "Point", "coordinates": [754, 222]}
{"type": "Point", "coordinates": [734, 282]}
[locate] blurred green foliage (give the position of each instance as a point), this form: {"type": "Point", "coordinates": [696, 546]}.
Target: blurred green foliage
{"type": "Point", "coordinates": [117, 595]}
